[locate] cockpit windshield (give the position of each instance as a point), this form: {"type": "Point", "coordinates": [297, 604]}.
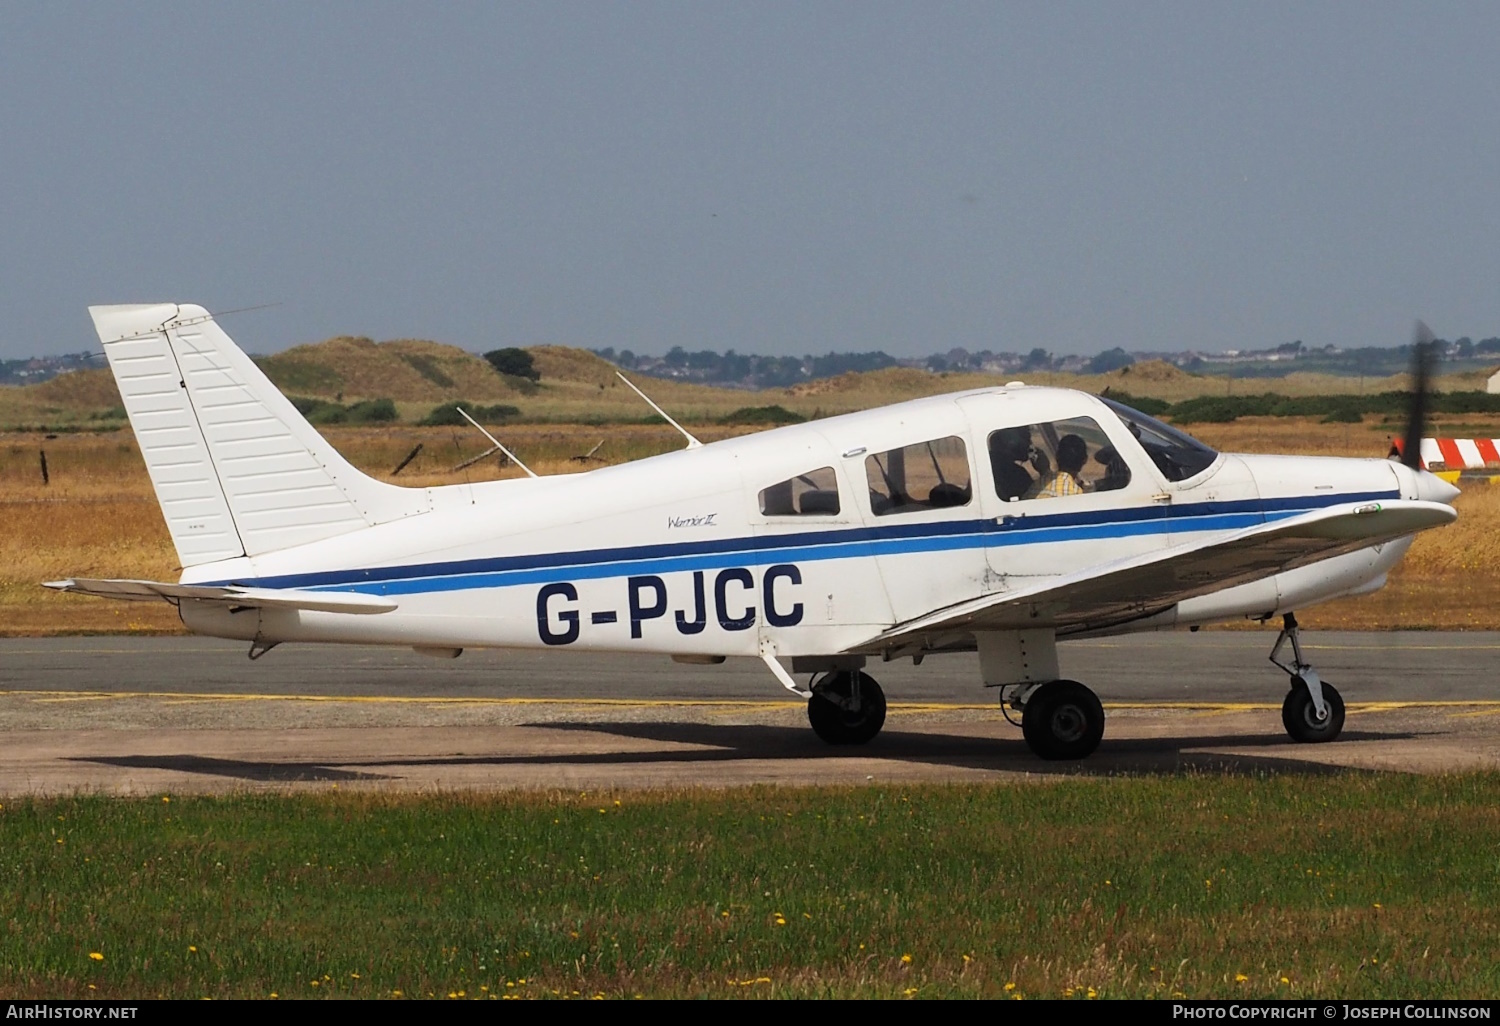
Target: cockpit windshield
{"type": "Point", "coordinates": [1176, 454]}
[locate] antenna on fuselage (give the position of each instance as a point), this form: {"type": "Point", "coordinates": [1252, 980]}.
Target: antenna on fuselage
{"type": "Point", "coordinates": [693, 443]}
{"type": "Point", "coordinates": [495, 441]}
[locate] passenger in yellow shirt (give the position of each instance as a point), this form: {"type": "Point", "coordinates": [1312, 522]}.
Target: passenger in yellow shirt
{"type": "Point", "coordinates": [1072, 454]}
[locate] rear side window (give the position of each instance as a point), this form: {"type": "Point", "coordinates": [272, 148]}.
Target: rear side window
{"type": "Point", "coordinates": [913, 478]}
{"type": "Point", "coordinates": [815, 493]}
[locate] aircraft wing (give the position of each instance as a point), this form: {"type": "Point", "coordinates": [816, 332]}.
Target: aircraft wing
{"type": "Point", "coordinates": [248, 598]}
{"type": "Point", "coordinates": [1130, 589]}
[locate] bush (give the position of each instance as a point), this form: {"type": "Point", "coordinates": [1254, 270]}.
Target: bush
{"type": "Point", "coordinates": [1344, 413]}
{"type": "Point", "coordinates": [373, 411]}
{"type": "Point", "coordinates": [447, 415]}
{"type": "Point", "coordinates": [515, 363]}
{"type": "Point", "coordinates": [1144, 403]}
{"type": "Point", "coordinates": [762, 415]}
{"type": "Point", "coordinates": [1465, 402]}
{"type": "Point", "coordinates": [1219, 409]}
{"type": "Point", "coordinates": [319, 411]}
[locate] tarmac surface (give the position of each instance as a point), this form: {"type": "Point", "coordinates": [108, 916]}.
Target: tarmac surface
{"type": "Point", "coordinates": [149, 715]}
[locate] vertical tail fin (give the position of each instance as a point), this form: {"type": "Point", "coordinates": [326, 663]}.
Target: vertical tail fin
{"type": "Point", "coordinates": [237, 470]}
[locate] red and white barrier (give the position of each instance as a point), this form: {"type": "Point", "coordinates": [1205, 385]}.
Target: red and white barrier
{"type": "Point", "coordinates": [1457, 453]}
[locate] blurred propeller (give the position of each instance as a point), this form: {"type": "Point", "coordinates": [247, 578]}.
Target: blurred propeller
{"type": "Point", "coordinates": [1423, 356]}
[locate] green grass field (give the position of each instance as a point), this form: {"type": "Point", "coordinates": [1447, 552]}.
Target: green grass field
{"type": "Point", "coordinates": [1205, 886]}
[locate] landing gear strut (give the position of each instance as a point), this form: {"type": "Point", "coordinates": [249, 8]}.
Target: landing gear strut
{"type": "Point", "coordinates": [847, 707]}
{"type": "Point", "coordinates": [1313, 710]}
{"type": "Point", "coordinates": [1062, 719]}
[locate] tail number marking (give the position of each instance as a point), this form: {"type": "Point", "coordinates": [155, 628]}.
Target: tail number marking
{"type": "Point", "coordinates": [732, 592]}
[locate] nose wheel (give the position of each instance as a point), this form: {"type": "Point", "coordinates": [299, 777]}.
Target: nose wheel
{"type": "Point", "coordinates": [1300, 717]}
{"type": "Point", "coordinates": [1062, 719]}
{"type": "Point", "coordinates": [847, 707]}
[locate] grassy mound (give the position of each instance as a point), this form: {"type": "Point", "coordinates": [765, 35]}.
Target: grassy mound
{"type": "Point", "coordinates": [409, 370]}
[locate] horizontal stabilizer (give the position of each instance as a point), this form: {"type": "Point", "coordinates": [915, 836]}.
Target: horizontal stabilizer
{"type": "Point", "coordinates": [248, 598]}
{"type": "Point", "coordinates": [1140, 586]}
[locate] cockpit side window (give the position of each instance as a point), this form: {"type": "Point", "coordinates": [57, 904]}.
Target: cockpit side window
{"type": "Point", "coordinates": [925, 476]}
{"type": "Point", "coordinates": [815, 493]}
{"type": "Point", "coordinates": [1055, 459]}
{"type": "Point", "coordinates": [1176, 454]}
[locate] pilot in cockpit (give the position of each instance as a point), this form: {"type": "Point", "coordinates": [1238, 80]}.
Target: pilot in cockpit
{"type": "Point", "coordinates": [1009, 449]}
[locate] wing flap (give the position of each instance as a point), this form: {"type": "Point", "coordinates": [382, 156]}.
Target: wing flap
{"type": "Point", "coordinates": [1128, 589]}
{"type": "Point", "coordinates": [257, 598]}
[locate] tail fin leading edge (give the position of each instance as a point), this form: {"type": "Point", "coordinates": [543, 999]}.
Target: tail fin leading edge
{"type": "Point", "coordinates": [237, 470]}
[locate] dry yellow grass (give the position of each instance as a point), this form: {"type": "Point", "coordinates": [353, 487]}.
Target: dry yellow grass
{"type": "Point", "coordinates": [98, 517]}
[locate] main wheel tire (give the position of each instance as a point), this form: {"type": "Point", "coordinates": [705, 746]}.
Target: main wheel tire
{"type": "Point", "coordinates": [840, 720]}
{"type": "Point", "coordinates": [1063, 720]}
{"type": "Point", "coordinates": [1301, 720]}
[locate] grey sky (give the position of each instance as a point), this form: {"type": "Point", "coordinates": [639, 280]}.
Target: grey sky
{"type": "Point", "coordinates": [773, 178]}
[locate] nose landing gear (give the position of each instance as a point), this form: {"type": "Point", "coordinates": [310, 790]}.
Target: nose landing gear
{"type": "Point", "coordinates": [1313, 711]}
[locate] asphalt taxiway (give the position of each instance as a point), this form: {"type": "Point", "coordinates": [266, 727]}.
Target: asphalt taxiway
{"type": "Point", "coordinates": [139, 715]}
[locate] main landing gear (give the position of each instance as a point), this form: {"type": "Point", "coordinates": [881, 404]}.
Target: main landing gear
{"type": "Point", "coordinates": [1061, 719]}
{"type": "Point", "coordinates": [847, 707]}
{"type": "Point", "coordinates": [1313, 710]}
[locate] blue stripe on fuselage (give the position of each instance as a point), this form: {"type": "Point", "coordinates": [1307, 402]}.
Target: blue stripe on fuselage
{"type": "Point", "coordinates": [806, 546]}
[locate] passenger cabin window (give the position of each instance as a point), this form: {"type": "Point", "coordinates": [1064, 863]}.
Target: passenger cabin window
{"type": "Point", "coordinates": [1177, 455]}
{"type": "Point", "coordinates": [815, 493]}
{"type": "Point", "coordinates": [1055, 460]}
{"type": "Point", "coordinates": [928, 475]}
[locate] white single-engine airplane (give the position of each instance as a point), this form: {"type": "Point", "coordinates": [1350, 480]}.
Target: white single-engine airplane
{"type": "Point", "coordinates": [1000, 520]}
